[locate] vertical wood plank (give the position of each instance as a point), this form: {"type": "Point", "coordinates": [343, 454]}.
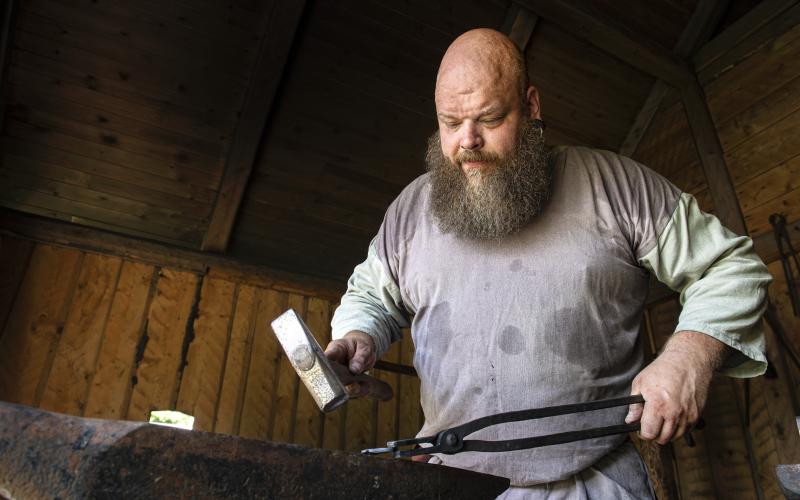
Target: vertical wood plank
{"type": "Point", "coordinates": [15, 254]}
{"type": "Point", "coordinates": [34, 325]}
{"type": "Point", "coordinates": [409, 391]}
{"type": "Point", "coordinates": [260, 385]}
{"type": "Point", "coordinates": [387, 410]}
{"type": "Point", "coordinates": [200, 384]}
{"type": "Point", "coordinates": [237, 361]}
{"type": "Point", "coordinates": [725, 440]}
{"type": "Point", "coordinates": [111, 384]}
{"type": "Point", "coordinates": [309, 418]}
{"type": "Point", "coordinates": [69, 380]}
{"type": "Point", "coordinates": [167, 321]}
{"type": "Point", "coordinates": [287, 386]}
{"type": "Point", "coordinates": [333, 428]}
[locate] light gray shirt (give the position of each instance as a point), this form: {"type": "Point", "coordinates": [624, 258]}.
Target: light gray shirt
{"type": "Point", "coordinates": [551, 315]}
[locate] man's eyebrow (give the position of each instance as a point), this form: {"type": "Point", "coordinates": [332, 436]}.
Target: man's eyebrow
{"type": "Point", "coordinates": [491, 110]}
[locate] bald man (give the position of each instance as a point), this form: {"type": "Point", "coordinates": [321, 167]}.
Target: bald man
{"type": "Point", "coordinates": [523, 275]}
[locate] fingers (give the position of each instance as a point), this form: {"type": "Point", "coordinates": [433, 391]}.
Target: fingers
{"type": "Point", "coordinates": [421, 458]}
{"type": "Point", "coordinates": [363, 358]}
{"type": "Point", "coordinates": [365, 385]}
{"type": "Point", "coordinates": [356, 350]}
{"type": "Point", "coordinates": [338, 350]}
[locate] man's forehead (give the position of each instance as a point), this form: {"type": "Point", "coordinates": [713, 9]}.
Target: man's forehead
{"type": "Point", "coordinates": [463, 87]}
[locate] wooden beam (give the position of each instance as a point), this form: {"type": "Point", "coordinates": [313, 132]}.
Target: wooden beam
{"type": "Point", "coordinates": [767, 20]}
{"type": "Point", "coordinates": [704, 20]}
{"type": "Point", "coordinates": [44, 230]}
{"type": "Point", "coordinates": [712, 158]}
{"type": "Point", "coordinates": [279, 33]}
{"type": "Point", "coordinates": [587, 23]}
{"type": "Point", "coordinates": [519, 25]}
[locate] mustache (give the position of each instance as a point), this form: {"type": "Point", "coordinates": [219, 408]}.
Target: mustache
{"type": "Point", "coordinates": [468, 155]}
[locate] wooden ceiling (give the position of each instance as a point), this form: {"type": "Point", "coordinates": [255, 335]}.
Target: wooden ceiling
{"type": "Point", "coordinates": [144, 117]}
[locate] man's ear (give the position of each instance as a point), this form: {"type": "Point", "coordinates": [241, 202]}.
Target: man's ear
{"type": "Point", "coordinates": [532, 103]}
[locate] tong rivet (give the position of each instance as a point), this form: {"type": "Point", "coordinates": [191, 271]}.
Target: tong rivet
{"type": "Point", "coordinates": [451, 440]}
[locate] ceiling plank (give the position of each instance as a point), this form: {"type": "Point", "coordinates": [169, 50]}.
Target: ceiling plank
{"type": "Point", "coordinates": [701, 25]}
{"type": "Point", "coordinates": [713, 56]}
{"type": "Point", "coordinates": [279, 34]}
{"type": "Point", "coordinates": [594, 28]}
{"type": "Point", "coordinates": [519, 25]}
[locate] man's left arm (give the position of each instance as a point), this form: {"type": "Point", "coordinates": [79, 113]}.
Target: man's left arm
{"type": "Point", "coordinates": [722, 285]}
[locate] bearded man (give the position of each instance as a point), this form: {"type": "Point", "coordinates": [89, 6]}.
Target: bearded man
{"type": "Point", "coordinates": [523, 276]}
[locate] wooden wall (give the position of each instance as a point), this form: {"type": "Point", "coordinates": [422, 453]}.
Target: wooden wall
{"type": "Point", "coordinates": [97, 335]}
{"type": "Point", "coordinates": [120, 113]}
{"type": "Point", "coordinates": [754, 103]}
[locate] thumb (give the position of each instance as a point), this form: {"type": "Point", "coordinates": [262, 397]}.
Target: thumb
{"type": "Point", "coordinates": [634, 410]}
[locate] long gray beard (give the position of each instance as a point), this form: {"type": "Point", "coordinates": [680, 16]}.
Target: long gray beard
{"type": "Point", "coordinates": [501, 202]}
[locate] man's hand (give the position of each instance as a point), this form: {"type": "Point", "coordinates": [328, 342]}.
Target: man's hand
{"type": "Point", "coordinates": [675, 386]}
{"type": "Point", "coordinates": [352, 355]}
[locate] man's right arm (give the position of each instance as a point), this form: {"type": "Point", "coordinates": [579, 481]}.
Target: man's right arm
{"type": "Point", "coordinates": [369, 318]}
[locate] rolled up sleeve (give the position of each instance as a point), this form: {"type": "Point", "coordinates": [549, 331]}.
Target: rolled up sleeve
{"type": "Point", "coordinates": [721, 281]}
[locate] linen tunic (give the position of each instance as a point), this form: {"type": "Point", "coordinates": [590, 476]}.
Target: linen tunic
{"type": "Point", "coordinates": [550, 315]}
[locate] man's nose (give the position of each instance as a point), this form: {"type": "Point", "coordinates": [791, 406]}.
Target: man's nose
{"type": "Point", "coordinates": [471, 138]}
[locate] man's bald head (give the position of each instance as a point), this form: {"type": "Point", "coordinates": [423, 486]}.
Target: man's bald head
{"type": "Point", "coordinates": [482, 57]}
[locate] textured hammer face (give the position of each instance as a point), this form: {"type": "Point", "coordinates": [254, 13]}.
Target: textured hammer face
{"type": "Point", "coordinates": [309, 361]}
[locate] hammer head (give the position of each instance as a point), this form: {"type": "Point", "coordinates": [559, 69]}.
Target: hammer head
{"type": "Point", "coordinates": [309, 361]}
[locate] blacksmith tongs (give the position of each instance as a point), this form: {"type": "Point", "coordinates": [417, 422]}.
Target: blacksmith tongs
{"type": "Point", "coordinates": [450, 441]}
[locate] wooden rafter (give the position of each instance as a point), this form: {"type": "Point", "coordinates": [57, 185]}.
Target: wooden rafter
{"type": "Point", "coordinates": [701, 25]}
{"type": "Point", "coordinates": [519, 25]}
{"type": "Point", "coordinates": [591, 25]}
{"type": "Point", "coordinates": [712, 158]}
{"type": "Point", "coordinates": [279, 33]}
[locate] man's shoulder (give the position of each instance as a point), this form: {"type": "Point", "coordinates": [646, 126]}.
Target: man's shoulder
{"type": "Point", "coordinates": [412, 196]}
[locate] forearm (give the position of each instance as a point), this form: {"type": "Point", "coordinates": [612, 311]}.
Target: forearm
{"type": "Point", "coordinates": [698, 349]}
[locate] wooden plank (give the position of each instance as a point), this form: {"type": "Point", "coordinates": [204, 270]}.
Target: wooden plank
{"type": "Point", "coordinates": [35, 324]}
{"type": "Point", "coordinates": [333, 426]}
{"type": "Point", "coordinates": [257, 406]}
{"type": "Point", "coordinates": [765, 21]}
{"type": "Point", "coordinates": [38, 152]}
{"type": "Point", "coordinates": [308, 418]}
{"type": "Point", "coordinates": [67, 386]}
{"type": "Point", "coordinates": [38, 229]}
{"type": "Point", "coordinates": [275, 45]}
{"type": "Point", "coordinates": [763, 72]}
{"type": "Point", "coordinates": [769, 185]}
{"type": "Point", "coordinates": [14, 173]}
{"type": "Point", "coordinates": [712, 158]}
{"type": "Point", "coordinates": [725, 440]}
{"type": "Point", "coordinates": [17, 195]}
{"type": "Point", "coordinates": [167, 323]}
{"type": "Point", "coordinates": [237, 359]}
{"type": "Point", "coordinates": [15, 254]}
{"type": "Point", "coordinates": [590, 25]}
{"type": "Point", "coordinates": [202, 376]}
{"type": "Point", "coordinates": [111, 386]}
{"type": "Point", "coordinates": [86, 24]}
{"type": "Point", "coordinates": [704, 20]}
{"type": "Point", "coordinates": [287, 386]}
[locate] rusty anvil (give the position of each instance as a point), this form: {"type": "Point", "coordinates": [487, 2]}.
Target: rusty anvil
{"type": "Point", "coordinates": [50, 455]}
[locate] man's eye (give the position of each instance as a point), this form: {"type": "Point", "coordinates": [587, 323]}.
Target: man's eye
{"type": "Point", "coordinates": [451, 125]}
{"type": "Point", "coordinates": [492, 121]}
